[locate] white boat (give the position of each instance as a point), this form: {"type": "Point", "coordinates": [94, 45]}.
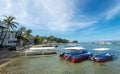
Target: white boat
{"type": "Point", "coordinates": [41, 50]}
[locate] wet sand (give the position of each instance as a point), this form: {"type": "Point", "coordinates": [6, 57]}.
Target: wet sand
{"type": "Point", "coordinates": [6, 55]}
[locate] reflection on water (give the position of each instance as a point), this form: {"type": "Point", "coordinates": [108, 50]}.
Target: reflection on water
{"type": "Point", "coordinates": [54, 65]}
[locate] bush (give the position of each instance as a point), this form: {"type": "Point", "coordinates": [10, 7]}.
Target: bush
{"type": "Point", "coordinates": [12, 49]}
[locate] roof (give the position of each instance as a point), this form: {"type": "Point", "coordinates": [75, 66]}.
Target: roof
{"type": "Point", "coordinates": [101, 49]}
{"type": "Point", "coordinates": [76, 48]}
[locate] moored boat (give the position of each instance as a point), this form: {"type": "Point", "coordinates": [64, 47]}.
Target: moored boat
{"type": "Point", "coordinates": [74, 50]}
{"type": "Point", "coordinates": [41, 50]}
{"type": "Point", "coordinates": [80, 57]}
{"type": "Point", "coordinates": [69, 54]}
{"type": "Point", "coordinates": [106, 56]}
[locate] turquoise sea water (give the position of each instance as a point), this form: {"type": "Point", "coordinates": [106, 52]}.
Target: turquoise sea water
{"type": "Point", "coordinates": [55, 65]}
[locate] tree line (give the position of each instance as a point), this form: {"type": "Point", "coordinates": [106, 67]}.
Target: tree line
{"type": "Point", "coordinates": [23, 34]}
{"type": "Point", "coordinates": [49, 39]}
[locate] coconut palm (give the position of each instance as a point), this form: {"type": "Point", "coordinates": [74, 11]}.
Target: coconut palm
{"type": "Point", "coordinates": [20, 33]}
{"type": "Point", "coordinates": [27, 33]}
{"type": "Point", "coordinates": [21, 30]}
{"type": "Point", "coordinates": [8, 21]}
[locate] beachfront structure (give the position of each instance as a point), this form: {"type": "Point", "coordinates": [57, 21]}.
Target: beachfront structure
{"type": "Point", "coordinates": [10, 39]}
{"type": "Point", "coordinates": [2, 28]}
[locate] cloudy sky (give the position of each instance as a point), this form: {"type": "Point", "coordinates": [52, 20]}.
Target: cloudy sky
{"type": "Point", "coordinates": [83, 20]}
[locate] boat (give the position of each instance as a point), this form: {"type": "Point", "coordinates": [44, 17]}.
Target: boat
{"type": "Point", "coordinates": [79, 58]}
{"type": "Point", "coordinates": [106, 55]}
{"type": "Point", "coordinates": [38, 49]}
{"type": "Point", "coordinates": [74, 50]}
{"type": "Point", "coordinates": [70, 54]}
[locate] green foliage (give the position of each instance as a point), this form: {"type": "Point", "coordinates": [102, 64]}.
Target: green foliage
{"type": "Point", "coordinates": [74, 41]}
{"type": "Point", "coordinates": [49, 39]}
{"type": "Point", "coordinates": [8, 21]}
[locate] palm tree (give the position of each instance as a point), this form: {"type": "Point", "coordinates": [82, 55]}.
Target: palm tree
{"type": "Point", "coordinates": [26, 36]}
{"type": "Point", "coordinates": [27, 33]}
{"type": "Point", "coordinates": [10, 24]}
{"type": "Point", "coordinates": [21, 30]}
{"type": "Point", "coordinates": [36, 39]}
{"type": "Point", "coordinates": [20, 33]}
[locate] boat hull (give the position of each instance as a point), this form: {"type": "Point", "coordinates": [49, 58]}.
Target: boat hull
{"type": "Point", "coordinates": [98, 59]}
{"type": "Point", "coordinates": [69, 54]}
{"type": "Point", "coordinates": [79, 58]}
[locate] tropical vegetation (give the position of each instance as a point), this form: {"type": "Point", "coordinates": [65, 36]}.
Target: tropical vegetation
{"type": "Point", "coordinates": [49, 39]}
{"type": "Point", "coordinates": [24, 35]}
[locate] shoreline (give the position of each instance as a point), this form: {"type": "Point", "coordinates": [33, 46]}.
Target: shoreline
{"type": "Point", "coordinates": [6, 55]}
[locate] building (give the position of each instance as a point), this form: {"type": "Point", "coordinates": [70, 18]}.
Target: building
{"type": "Point", "coordinates": [101, 42]}
{"type": "Point", "coordinates": [10, 39]}
{"type": "Point", "coordinates": [2, 30]}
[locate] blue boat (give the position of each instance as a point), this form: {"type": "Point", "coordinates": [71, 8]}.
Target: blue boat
{"type": "Point", "coordinates": [77, 52]}
{"type": "Point", "coordinates": [102, 57]}
{"type": "Point", "coordinates": [80, 57]}
{"type": "Point", "coordinates": [74, 50]}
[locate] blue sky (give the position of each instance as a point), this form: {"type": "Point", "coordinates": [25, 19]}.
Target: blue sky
{"type": "Point", "coordinates": [83, 20]}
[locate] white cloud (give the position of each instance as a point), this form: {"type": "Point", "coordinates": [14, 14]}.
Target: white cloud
{"type": "Point", "coordinates": [114, 11]}
{"type": "Point", "coordinates": [52, 15]}
{"type": "Point", "coordinates": [69, 26]}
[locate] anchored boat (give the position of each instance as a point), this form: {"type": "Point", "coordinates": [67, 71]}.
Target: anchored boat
{"type": "Point", "coordinates": [80, 57]}
{"type": "Point", "coordinates": [73, 50]}
{"type": "Point", "coordinates": [38, 49]}
{"type": "Point", "coordinates": [106, 55]}
{"type": "Point", "coordinates": [79, 54]}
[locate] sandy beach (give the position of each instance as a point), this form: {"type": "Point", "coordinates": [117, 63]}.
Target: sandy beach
{"type": "Point", "coordinates": [6, 55]}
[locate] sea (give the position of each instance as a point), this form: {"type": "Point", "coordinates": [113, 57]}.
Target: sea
{"type": "Point", "coordinates": [53, 64]}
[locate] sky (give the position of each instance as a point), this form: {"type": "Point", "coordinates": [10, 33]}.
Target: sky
{"type": "Point", "coordinates": [82, 20]}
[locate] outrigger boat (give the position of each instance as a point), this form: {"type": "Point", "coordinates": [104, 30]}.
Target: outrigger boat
{"type": "Point", "coordinates": [106, 56]}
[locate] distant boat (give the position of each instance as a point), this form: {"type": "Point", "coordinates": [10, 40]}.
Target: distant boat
{"type": "Point", "coordinates": [106, 55]}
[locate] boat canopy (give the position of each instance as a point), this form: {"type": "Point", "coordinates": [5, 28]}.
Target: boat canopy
{"type": "Point", "coordinates": [101, 49]}
{"type": "Point", "coordinates": [75, 48]}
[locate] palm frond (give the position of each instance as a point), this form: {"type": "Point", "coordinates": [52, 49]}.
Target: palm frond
{"type": "Point", "coordinates": [15, 23]}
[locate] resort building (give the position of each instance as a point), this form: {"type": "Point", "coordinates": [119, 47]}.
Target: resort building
{"type": "Point", "coordinates": [10, 39]}
{"type": "Point", "coordinates": [2, 28]}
